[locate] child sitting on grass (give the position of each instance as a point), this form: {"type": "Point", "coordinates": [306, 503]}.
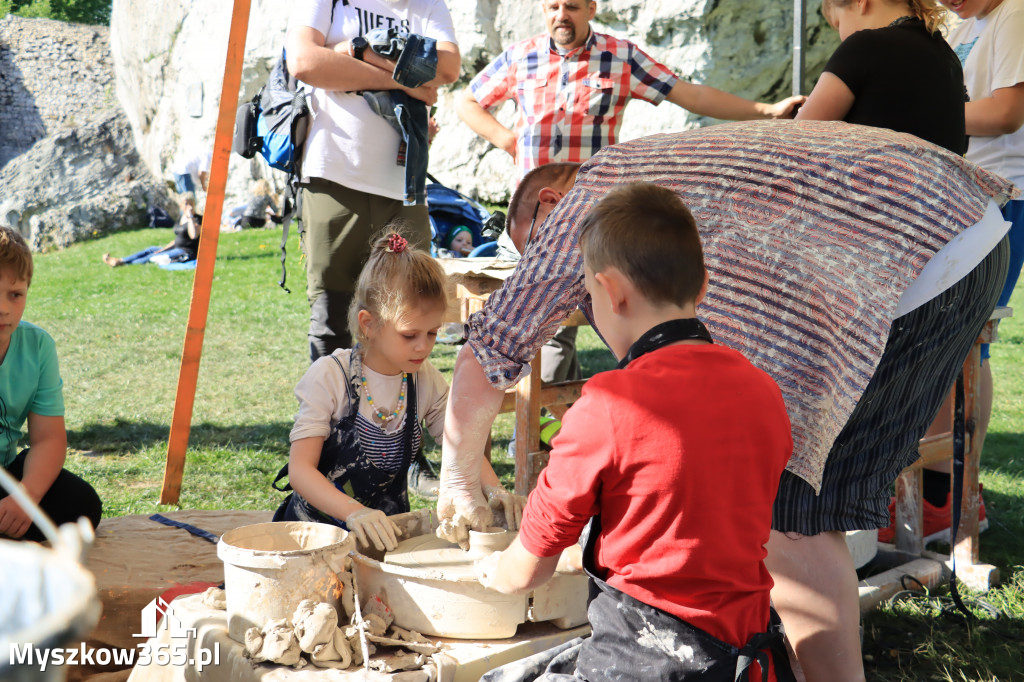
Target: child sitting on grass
{"type": "Point", "coordinates": [358, 425]}
{"type": "Point", "coordinates": [31, 391]}
{"type": "Point", "coordinates": [676, 455]}
{"type": "Point", "coordinates": [260, 207]}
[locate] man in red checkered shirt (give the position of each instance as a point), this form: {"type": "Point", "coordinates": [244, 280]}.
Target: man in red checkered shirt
{"type": "Point", "coordinates": [571, 85]}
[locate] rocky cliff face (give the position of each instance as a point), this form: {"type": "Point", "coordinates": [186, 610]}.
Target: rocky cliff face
{"type": "Point", "coordinates": [68, 166]}
{"type": "Point", "coordinates": [77, 183]}
{"type": "Point", "coordinates": [169, 59]}
{"type": "Point", "coordinates": [34, 55]}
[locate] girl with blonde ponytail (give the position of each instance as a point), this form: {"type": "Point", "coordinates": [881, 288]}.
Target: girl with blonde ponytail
{"type": "Point", "coordinates": [362, 410]}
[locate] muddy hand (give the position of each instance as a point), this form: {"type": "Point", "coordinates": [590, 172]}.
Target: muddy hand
{"type": "Point", "coordinates": [509, 503]}
{"type": "Point", "coordinates": [457, 515]}
{"type": "Point", "coordinates": [373, 526]}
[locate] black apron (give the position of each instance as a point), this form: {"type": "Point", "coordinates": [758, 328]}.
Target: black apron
{"type": "Point", "coordinates": [343, 462]}
{"type": "Point", "coordinates": [632, 640]}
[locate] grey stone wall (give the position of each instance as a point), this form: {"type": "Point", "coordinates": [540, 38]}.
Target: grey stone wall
{"type": "Point", "coordinates": [53, 76]}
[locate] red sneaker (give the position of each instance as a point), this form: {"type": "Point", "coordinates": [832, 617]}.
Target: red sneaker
{"type": "Point", "coordinates": [937, 520]}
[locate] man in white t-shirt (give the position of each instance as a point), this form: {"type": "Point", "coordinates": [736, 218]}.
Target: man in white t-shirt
{"type": "Point", "coordinates": [352, 183]}
{"type": "Point", "coordinates": [191, 170]}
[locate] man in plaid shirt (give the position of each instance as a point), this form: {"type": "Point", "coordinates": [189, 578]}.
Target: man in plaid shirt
{"type": "Point", "coordinates": [571, 86]}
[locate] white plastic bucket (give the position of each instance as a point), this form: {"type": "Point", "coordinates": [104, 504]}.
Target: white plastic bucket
{"type": "Point", "coordinates": [270, 567]}
{"type": "Point", "coordinates": [47, 598]}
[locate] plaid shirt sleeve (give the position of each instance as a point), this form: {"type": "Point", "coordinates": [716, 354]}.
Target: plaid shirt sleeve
{"type": "Point", "coordinates": [546, 287]}
{"type": "Point", "coordinates": [650, 80]}
{"type": "Point", "coordinates": [496, 83]}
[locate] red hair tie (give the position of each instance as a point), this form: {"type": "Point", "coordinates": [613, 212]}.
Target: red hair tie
{"type": "Point", "coordinates": [397, 243]}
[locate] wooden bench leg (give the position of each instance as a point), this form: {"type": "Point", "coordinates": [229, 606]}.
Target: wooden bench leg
{"type": "Point", "coordinates": [527, 427]}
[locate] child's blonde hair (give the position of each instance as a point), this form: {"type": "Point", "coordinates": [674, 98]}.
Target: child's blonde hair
{"type": "Point", "coordinates": [929, 11]}
{"type": "Point", "coordinates": [187, 198]}
{"type": "Point", "coordinates": [396, 277]}
{"type": "Point", "coordinates": [261, 188]}
{"type": "Point", "coordinates": [15, 254]}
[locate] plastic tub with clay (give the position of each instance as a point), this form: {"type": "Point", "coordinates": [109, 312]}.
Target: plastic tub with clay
{"type": "Point", "coordinates": [270, 567]}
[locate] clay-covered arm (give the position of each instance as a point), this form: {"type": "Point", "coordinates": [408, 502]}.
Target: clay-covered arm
{"type": "Point", "coordinates": [1000, 114]}
{"type": "Point", "coordinates": [515, 570]}
{"type": "Point", "coordinates": [708, 101]}
{"type": "Point", "coordinates": [473, 403]}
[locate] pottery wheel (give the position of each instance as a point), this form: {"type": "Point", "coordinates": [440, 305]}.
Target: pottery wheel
{"type": "Point", "coordinates": [433, 554]}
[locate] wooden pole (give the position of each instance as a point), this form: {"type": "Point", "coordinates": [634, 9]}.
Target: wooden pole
{"type": "Point", "coordinates": [799, 30]}
{"type": "Point", "coordinates": [188, 374]}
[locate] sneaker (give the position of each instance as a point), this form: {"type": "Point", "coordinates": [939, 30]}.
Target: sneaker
{"type": "Point", "coordinates": [422, 480]}
{"type": "Point", "coordinates": [936, 520]}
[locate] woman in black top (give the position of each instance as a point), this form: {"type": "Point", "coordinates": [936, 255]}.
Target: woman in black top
{"type": "Point", "coordinates": [893, 70]}
{"type": "Point", "coordinates": [183, 248]}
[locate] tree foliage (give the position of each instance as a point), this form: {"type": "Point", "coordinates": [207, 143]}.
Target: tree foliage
{"type": "Point", "coordinates": [77, 11]}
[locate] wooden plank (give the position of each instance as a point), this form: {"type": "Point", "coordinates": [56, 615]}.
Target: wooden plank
{"type": "Point", "coordinates": [933, 449]}
{"type": "Point", "coordinates": [538, 460]}
{"type": "Point", "coordinates": [188, 374]}
{"type": "Point", "coordinates": [527, 426]}
{"type": "Point", "coordinates": [966, 549]}
{"type": "Point", "coordinates": [559, 393]}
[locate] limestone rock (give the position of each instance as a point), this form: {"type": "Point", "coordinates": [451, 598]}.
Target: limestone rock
{"type": "Point", "coordinates": [53, 76]}
{"type": "Point", "coordinates": [169, 59]}
{"type": "Point", "coordinates": [77, 183]}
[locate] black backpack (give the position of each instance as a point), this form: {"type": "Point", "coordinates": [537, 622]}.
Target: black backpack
{"type": "Point", "coordinates": [274, 124]}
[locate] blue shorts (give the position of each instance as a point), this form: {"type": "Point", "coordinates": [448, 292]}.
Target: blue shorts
{"type": "Point", "coordinates": [1013, 212]}
{"type": "Point", "coordinates": [923, 354]}
{"type": "Point", "coordinates": [184, 183]}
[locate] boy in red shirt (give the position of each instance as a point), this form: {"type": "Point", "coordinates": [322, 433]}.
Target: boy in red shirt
{"type": "Point", "coordinates": [676, 456]}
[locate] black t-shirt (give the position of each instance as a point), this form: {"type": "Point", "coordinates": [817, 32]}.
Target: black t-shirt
{"type": "Point", "coordinates": [906, 80]}
{"type": "Point", "coordinates": [183, 241]}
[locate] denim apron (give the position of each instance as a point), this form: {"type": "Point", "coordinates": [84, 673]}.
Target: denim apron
{"type": "Point", "coordinates": [632, 640]}
{"type": "Point", "coordinates": [344, 463]}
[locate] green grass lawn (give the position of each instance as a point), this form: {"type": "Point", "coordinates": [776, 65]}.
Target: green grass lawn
{"type": "Point", "coordinates": [120, 332]}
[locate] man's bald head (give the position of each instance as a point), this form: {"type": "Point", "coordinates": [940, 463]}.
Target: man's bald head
{"type": "Point", "coordinates": [528, 197]}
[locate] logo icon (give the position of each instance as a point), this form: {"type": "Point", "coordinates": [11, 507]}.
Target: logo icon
{"type": "Point", "coordinates": [151, 620]}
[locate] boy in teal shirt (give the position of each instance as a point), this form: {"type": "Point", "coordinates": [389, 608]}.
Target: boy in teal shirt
{"type": "Point", "coordinates": [31, 391]}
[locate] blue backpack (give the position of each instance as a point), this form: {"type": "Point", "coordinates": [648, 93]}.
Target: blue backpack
{"type": "Point", "coordinates": [274, 125]}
